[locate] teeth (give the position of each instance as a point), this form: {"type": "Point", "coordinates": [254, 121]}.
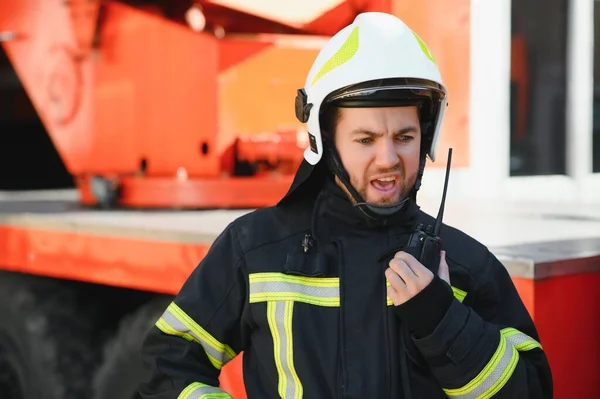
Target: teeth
{"type": "Point", "coordinates": [387, 179]}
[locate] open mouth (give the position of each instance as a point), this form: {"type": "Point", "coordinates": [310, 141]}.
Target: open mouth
{"type": "Point", "coordinates": [385, 185]}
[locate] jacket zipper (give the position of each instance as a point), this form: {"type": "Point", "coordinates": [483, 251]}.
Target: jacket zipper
{"type": "Point", "coordinates": [341, 392]}
{"type": "Point", "coordinates": [386, 258]}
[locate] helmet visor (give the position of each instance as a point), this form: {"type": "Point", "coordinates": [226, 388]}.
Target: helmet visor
{"type": "Point", "coordinates": [387, 92]}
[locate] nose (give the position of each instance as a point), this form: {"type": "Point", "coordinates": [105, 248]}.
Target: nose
{"type": "Point", "coordinates": [386, 156]}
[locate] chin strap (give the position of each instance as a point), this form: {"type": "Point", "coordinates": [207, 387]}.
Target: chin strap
{"type": "Point", "coordinates": [417, 186]}
{"type": "Point", "coordinates": [334, 164]}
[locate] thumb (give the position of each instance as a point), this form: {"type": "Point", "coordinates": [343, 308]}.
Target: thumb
{"type": "Point", "coordinates": [444, 271]}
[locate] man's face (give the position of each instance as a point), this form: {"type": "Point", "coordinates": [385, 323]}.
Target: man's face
{"type": "Point", "coordinates": [380, 150]}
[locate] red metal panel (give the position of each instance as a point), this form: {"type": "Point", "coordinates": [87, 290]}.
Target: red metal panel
{"type": "Point", "coordinates": [196, 193]}
{"type": "Point", "coordinates": [567, 313]}
{"type": "Point", "coordinates": [123, 262]}
{"type": "Point", "coordinates": [157, 101]}
{"type": "Point", "coordinates": [526, 289]}
{"type": "Point", "coordinates": [256, 95]}
{"type": "Point", "coordinates": [235, 51]}
{"type": "Point", "coordinates": [155, 91]}
{"type": "Point", "coordinates": [148, 93]}
{"type": "Point", "coordinates": [321, 17]}
{"type": "Point", "coordinates": [291, 13]}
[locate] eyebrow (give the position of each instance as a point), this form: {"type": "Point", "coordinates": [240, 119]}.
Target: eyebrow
{"type": "Point", "coordinates": [404, 130]}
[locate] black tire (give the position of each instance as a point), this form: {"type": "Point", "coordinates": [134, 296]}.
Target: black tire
{"type": "Point", "coordinates": [44, 339]}
{"type": "Point", "coordinates": [122, 369]}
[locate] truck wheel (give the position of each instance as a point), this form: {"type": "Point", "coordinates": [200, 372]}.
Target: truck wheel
{"type": "Point", "coordinates": [43, 352]}
{"type": "Point", "coordinates": [123, 369]}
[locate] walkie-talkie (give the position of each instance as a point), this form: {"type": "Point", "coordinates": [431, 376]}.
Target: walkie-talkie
{"type": "Point", "coordinates": [424, 243]}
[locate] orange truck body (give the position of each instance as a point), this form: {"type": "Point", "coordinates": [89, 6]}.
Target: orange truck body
{"type": "Point", "coordinates": [166, 117]}
{"type": "Point", "coordinates": [159, 111]}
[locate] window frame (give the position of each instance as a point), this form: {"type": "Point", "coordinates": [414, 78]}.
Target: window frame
{"type": "Point", "coordinates": [491, 29]}
{"type": "Point", "coordinates": [488, 174]}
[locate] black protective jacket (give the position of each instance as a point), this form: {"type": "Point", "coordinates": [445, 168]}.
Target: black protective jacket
{"type": "Point", "coordinates": [301, 290]}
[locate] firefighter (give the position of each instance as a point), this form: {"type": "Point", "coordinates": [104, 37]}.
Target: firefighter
{"type": "Point", "coordinates": [317, 290]}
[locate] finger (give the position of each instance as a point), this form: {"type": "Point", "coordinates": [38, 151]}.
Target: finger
{"type": "Point", "coordinates": [403, 269]}
{"type": "Point", "coordinates": [444, 270]}
{"type": "Point", "coordinates": [405, 256]}
{"type": "Point", "coordinates": [412, 263]}
{"type": "Point", "coordinates": [394, 295]}
{"type": "Point", "coordinates": [395, 280]}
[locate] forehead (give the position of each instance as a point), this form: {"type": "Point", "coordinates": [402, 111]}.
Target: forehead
{"type": "Point", "coordinates": [383, 118]}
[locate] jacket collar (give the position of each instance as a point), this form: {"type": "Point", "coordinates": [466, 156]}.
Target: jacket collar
{"type": "Point", "coordinates": [334, 215]}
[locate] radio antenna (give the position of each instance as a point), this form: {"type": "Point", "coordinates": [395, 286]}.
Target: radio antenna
{"type": "Point", "coordinates": [438, 220]}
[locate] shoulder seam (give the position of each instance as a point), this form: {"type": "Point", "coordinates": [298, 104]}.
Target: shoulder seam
{"type": "Point", "coordinates": [240, 259]}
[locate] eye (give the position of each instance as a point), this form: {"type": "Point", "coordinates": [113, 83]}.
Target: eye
{"type": "Point", "coordinates": [365, 140]}
{"type": "Point", "coordinates": [405, 138]}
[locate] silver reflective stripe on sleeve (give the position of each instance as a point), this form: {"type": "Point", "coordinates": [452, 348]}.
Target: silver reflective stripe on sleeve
{"type": "Point", "coordinates": [175, 321]}
{"type": "Point", "coordinates": [197, 390]}
{"type": "Point", "coordinates": [499, 369]}
{"type": "Point", "coordinates": [522, 342]}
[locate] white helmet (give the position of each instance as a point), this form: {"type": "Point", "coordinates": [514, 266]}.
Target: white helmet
{"type": "Point", "coordinates": [377, 60]}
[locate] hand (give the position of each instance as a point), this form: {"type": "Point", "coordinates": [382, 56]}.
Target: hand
{"type": "Point", "coordinates": [408, 277]}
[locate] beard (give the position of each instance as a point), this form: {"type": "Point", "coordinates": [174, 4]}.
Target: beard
{"type": "Point", "coordinates": [405, 182]}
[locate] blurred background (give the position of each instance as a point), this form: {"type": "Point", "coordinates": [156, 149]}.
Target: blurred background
{"type": "Point", "coordinates": [132, 132]}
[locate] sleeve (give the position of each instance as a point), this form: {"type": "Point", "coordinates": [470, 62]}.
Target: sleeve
{"type": "Point", "coordinates": [488, 349]}
{"type": "Point", "coordinates": [201, 330]}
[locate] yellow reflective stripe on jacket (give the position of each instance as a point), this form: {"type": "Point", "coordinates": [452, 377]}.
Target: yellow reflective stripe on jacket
{"type": "Point", "coordinates": [281, 292]}
{"type": "Point", "coordinates": [318, 291]}
{"type": "Point", "coordinates": [499, 369]}
{"type": "Point", "coordinates": [174, 321]}
{"type": "Point", "coordinates": [279, 316]}
{"type": "Point", "coordinates": [198, 390]}
{"type": "Point", "coordinates": [458, 294]}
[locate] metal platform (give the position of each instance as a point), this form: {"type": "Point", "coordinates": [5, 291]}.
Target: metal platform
{"type": "Point", "coordinates": [521, 234]}
{"type": "Point", "coordinates": [60, 211]}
